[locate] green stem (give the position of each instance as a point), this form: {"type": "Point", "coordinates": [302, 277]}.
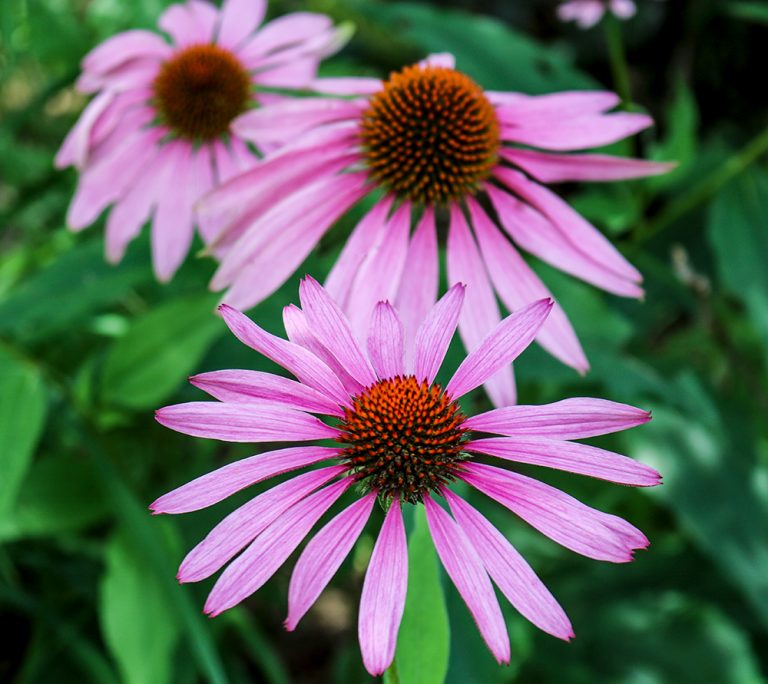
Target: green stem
{"type": "Point", "coordinates": [391, 676]}
{"type": "Point", "coordinates": [705, 189]}
{"type": "Point", "coordinates": [618, 59]}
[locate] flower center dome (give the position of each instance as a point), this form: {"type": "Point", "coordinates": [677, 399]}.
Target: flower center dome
{"type": "Point", "coordinates": [200, 90]}
{"type": "Point", "coordinates": [403, 437]}
{"type": "Point", "coordinates": [430, 135]}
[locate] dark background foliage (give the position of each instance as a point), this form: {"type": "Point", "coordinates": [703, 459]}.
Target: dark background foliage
{"type": "Point", "coordinates": [87, 351]}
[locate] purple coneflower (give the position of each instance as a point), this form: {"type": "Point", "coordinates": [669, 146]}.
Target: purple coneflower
{"type": "Point", "coordinates": [402, 439]}
{"type": "Point", "coordinates": [157, 136]}
{"type": "Point", "coordinates": [427, 139]}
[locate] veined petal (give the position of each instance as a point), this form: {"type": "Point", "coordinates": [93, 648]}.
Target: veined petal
{"type": "Point", "coordinates": [323, 556]}
{"type": "Point", "coordinates": [385, 342]}
{"type": "Point", "coordinates": [565, 168]}
{"type": "Point", "coordinates": [569, 456]}
{"type": "Point", "coordinates": [217, 485]}
{"type": "Point", "coordinates": [252, 568]}
{"type": "Point", "coordinates": [302, 363]}
{"type": "Point", "coordinates": [383, 599]}
{"type": "Point", "coordinates": [502, 346]}
{"type": "Point", "coordinates": [436, 332]}
{"type": "Point", "coordinates": [239, 19]}
{"type": "Point", "coordinates": [509, 570]}
{"type": "Point", "coordinates": [242, 526]}
{"type": "Point", "coordinates": [253, 422]}
{"type": "Point", "coordinates": [567, 419]}
{"type": "Point", "coordinates": [521, 109]}
{"type": "Point", "coordinates": [517, 285]}
{"type": "Point", "coordinates": [331, 327]}
{"type": "Point", "coordinates": [557, 515]}
{"type": "Point", "coordinates": [468, 574]}
{"type": "Point", "coordinates": [246, 385]}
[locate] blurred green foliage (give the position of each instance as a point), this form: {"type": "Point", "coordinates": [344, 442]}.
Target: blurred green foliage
{"type": "Point", "coordinates": [87, 350]}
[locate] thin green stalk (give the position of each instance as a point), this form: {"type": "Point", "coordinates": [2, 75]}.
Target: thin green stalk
{"type": "Point", "coordinates": [618, 59]}
{"type": "Point", "coordinates": [390, 676]}
{"type": "Point", "coordinates": [705, 189]}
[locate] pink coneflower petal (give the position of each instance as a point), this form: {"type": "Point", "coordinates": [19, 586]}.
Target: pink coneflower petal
{"type": "Point", "coordinates": [217, 485]}
{"type": "Point", "coordinates": [304, 365]}
{"type": "Point", "coordinates": [436, 332]}
{"type": "Point", "coordinates": [509, 570]}
{"type": "Point", "coordinates": [253, 422]}
{"type": "Point", "coordinates": [74, 149]}
{"type": "Point", "coordinates": [586, 13]}
{"type": "Point", "coordinates": [419, 284]}
{"type": "Point", "coordinates": [557, 515]}
{"type": "Point", "coordinates": [567, 419]}
{"type": "Point", "coordinates": [284, 32]}
{"type": "Point", "coordinates": [481, 314]}
{"type": "Point", "coordinates": [379, 273]}
{"type": "Point", "coordinates": [242, 526]}
{"type": "Point", "coordinates": [466, 570]}
{"type": "Point", "coordinates": [569, 456]}
{"type": "Point", "coordinates": [577, 133]}
{"type": "Point", "coordinates": [520, 108]}
{"type": "Point", "coordinates": [538, 235]}
{"type": "Point", "coordinates": [386, 342]}
{"type": "Point", "coordinates": [246, 385]}
{"type": "Point", "coordinates": [270, 549]}
{"type": "Point", "coordinates": [440, 59]}
{"type": "Point", "coordinates": [125, 47]}
{"type": "Point", "coordinates": [239, 19]}
{"type": "Point", "coordinates": [363, 237]}
{"type": "Point", "coordinates": [566, 168]}
{"type": "Point", "coordinates": [189, 23]}
{"type": "Point", "coordinates": [574, 226]}
{"type": "Point", "coordinates": [502, 345]}
{"type": "Point", "coordinates": [323, 556]}
{"type": "Point", "coordinates": [347, 85]}
{"type": "Point", "coordinates": [383, 599]}
{"type": "Point", "coordinates": [623, 9]}
{"type": "Point", "coordinates": [332, 329]}
{"type": "Point", "coordinates": [517, 285]}
{"type": "Point", "coordinates": [297, 329]}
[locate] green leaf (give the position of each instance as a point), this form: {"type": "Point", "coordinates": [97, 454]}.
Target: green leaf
{"type": "Point", "coordinates": [73, 286]}
{"type": "Point", "coordinates": [423, 643]}
{"type": "Point", "coordinates": [138, 625]}
{"type": "Point", "coordinates": [494, 54]}
{"type": "Point", "coordinates": [60, 494]}
{"type": "Point", "coordinates": [159, 350]}
{"type": "Point", "coordinates": [23, 404]}
{"type": "Point", "coordinates": [749, 11]}
{"type": "Point", "coordinates": [737, 232]}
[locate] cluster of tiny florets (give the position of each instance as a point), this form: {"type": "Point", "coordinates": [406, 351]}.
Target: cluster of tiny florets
{"type": "Point", "coordinates": [430, 135]}
{"type": "Point", "coordinates": [403, 438]}
{"type": "Point", "coordinates": [200, 90]}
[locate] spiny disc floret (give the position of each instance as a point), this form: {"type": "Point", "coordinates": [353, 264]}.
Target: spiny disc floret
{"type": "Point", "coordinates": [200, 90]}
{"type": "Point", "coordinates": [403, 438]}
{"type": "Point", "coordinates": [430, 135]}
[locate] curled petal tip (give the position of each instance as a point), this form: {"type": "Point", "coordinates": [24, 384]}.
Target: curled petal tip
{"type": "Point", "coordinates": [289, 625]}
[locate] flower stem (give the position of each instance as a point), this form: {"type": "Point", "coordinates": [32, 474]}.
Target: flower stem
{"type": "Point", "coordinates": [618, 59]}
{"type": "Point", "coordinates": [390, 676]}
{"type": "Point", "coordinates": [701, 192]}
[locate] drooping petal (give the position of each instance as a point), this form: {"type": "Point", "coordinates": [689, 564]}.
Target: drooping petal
{"type": "Point", "coordinates": [252, 422]}
{"type": "Point", "coordinates": [242, 526]}
{"type": "Point", "coordinates": [535, 233]}
{"type": "Point", "coordinates": [470, 578]}
{"type": "Point", "coordinates": [480, 313]}
{"type": "Point", "coordinates": [190, 22]}
{"type": "Point", "coordinates": [504, 344]}
{"type": "Point", "coordinates": [435, 333]}
{"type": "Point", "coordinates": [566, 168]}
{"type": "Point", "coordinates": [75, 148]}
{"type": "Point", "coordinates": [419, 283]}
{"type": "Point", "coordinates": [217, 485]}
{"type": "Point", "coordinates": [284, 32]}
{"type": "Point", "coordinates": [569, 456]}
{"type": "Point", "coordinates": [322, 557]}
{"type": "Point", "coordinates": [557, 515]}
{"type": "Point", "coordinates": [517, 285]}
{"type": "Point", "coordinates": [575, 418]}
{"type": "Point", "coordinates": [509, 570]}
{"type": "Point", "coordinates": [517, 108]}
{"type": "Point", "coordinates": [383, 599]}
{"type": "Point", "coordinates": [251, 569]}
{"type": "Point", "coordinates": [354, 85]}
{"type": "Point", "coordinates": [239, 19]}
{"type": "Point", "coordinates": [124, 47]}
{"type": "Point", "coordinates": [385, 341]}
{"type": "Point", "coordinates": [303, 364]}
{"type": "Point", "coordinates": [332, 328]}
{"type": "Point", "coordinates": [247, 385]}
